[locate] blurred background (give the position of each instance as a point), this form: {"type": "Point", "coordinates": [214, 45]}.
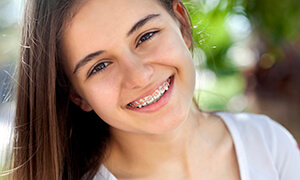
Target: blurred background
{"type": "Point", "coordinates": [247, 58]}
{"type": "Point", "coordinates": [10, 18]}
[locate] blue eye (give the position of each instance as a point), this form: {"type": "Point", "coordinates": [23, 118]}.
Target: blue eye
{"type": "Point", "coordinates": [146, 37]}
{"type": "Point", "coordinates": [99, 67]}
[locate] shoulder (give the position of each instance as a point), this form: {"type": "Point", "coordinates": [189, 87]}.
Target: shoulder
{"type": "Point", "coordinates": [265, 142]}
{"type": "Point", "coordinates": [253, 126]}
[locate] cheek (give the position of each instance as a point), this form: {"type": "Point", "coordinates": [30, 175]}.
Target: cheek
{"type": "Point", "coordinates": [102, 96]}
{"type": "Point", "coordinates": [173, 52]}
{"type": "Point", "coordinates": [172, 49]}
{"type": "Point", "coordinates": [178, 54]}
{"type": "Point", "coordinates": [105, 104]}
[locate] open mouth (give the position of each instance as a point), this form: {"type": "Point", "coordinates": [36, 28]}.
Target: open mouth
{"type": "Point", "coordinates": [154, 97]}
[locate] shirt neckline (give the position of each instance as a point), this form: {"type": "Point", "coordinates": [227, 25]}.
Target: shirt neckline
{"type": "Point", "coordinates": [239, 150]}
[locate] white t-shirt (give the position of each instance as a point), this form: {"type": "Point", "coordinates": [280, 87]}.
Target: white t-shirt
{"type": "Point", "coordinates": [265, 150]}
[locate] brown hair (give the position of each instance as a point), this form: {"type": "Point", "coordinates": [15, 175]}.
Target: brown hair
{"type": "Point", "coordinates": [54, 139]}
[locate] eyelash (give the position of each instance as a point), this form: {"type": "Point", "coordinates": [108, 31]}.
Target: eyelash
{"type": "Point", "coordinates": [99, 68]}
{"type": "Point", "coordinates": [146, 37]}
{"type": "Point", "coordinates": [102, 66]}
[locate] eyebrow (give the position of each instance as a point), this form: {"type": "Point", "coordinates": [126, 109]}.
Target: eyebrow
{"type": "Point", "coordinates": [136, 26]}
{"type": "Point", "coordinates": [142, 22]}
{"type": "Point", "coordinates": [86, 59]}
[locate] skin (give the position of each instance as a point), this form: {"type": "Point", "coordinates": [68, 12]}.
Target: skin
{"type": "Point", "coordinates": [171, 142]}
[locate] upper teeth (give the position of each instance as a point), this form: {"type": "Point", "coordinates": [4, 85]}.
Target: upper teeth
{"type": "Point", "coordinates": [156, 95]}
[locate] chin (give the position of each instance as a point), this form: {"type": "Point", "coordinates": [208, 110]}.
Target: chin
{"type": "Point", "coordinates": [169, 123]}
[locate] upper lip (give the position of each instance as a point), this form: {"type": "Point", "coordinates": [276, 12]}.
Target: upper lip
{"type": "Point", "coordinates": [149, 92]}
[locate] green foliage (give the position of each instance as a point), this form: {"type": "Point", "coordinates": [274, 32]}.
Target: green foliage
{"type": "Point", "coordinates": [273, 24]}
{"type": "Point", "coordinates": [278, 20]}
{"type": "Point", "coordinates": [218, 97]}
{"type": "Point", "coordinates": [210, 34]}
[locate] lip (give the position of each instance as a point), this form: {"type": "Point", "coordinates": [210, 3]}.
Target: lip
{"type": "Point", "coordinates": [157, 105]}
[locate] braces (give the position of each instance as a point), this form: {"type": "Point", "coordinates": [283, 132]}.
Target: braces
{"type": "Point", "coordinates": [152, 98]}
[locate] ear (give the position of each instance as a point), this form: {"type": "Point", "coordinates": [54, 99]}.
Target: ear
{"type": "Point", "coordinates": [183, 17]}
{"type": "Point", "coordinates": [79, 101]}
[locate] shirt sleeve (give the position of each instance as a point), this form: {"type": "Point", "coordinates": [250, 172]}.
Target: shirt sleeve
{"type": "Point", "coordinates": [286, 153]}
{"type": "Point", "coordinates": [271, 151]}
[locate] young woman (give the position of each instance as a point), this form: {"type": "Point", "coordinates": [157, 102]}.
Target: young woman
{"type": "Point", "coordinates": [105, 92]}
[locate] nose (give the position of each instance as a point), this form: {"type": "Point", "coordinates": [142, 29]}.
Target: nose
{"type": "Point", "coordinates": [137, 73]}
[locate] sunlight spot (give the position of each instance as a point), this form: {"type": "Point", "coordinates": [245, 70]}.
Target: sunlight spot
{"type": "Point", "coordinates": [223, 4]}
{"type": "Point", "coordinates": [210, 5]}
{"type": "Point", "coordinates": [242, 56]}
{"type": "Point", "coordinates": [238, 26]}
{"type": "Point", "coordinates": [205, 79]}
{"type": "Point", "coordinates": [237, 103]}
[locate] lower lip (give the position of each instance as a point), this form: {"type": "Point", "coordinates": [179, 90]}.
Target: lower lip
{"type": "Point", "coordinates": [159, 104]}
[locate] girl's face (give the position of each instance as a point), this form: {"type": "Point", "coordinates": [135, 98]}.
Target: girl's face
{"type": "Point", "coordinates": [120, 54]}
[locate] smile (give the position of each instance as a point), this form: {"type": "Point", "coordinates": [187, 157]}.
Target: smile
{"type": "Point", "coordinates": [154, 97]}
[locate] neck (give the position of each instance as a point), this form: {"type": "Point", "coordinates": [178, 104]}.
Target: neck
{"type": "Point", "coordinates": [174, 141]}
{"type": "Point", "coordinates": [148, 151]}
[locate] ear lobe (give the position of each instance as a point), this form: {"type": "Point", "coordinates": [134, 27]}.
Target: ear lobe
{"type": "Point", "coordinates": [77, 99]}
{"type": "Point", "coordinates": [183, 18]}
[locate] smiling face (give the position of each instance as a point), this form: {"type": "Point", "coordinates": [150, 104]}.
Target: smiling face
{"type": "Point", "coordinates": [129, 61]}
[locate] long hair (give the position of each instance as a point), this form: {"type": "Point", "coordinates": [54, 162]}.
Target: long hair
{"type": "Point", "coordinates": [53, 138]}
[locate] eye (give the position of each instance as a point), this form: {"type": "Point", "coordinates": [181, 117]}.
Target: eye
{"type": "Point", "coordinates": [146, 37]}
{"type": "Point", "coordinates": [99, 68]}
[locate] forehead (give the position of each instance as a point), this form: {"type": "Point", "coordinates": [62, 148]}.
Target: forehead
{"type": "Point", "coordinates": [99, 22]}
{"type": "Point", "coordinates": [111, 15]}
